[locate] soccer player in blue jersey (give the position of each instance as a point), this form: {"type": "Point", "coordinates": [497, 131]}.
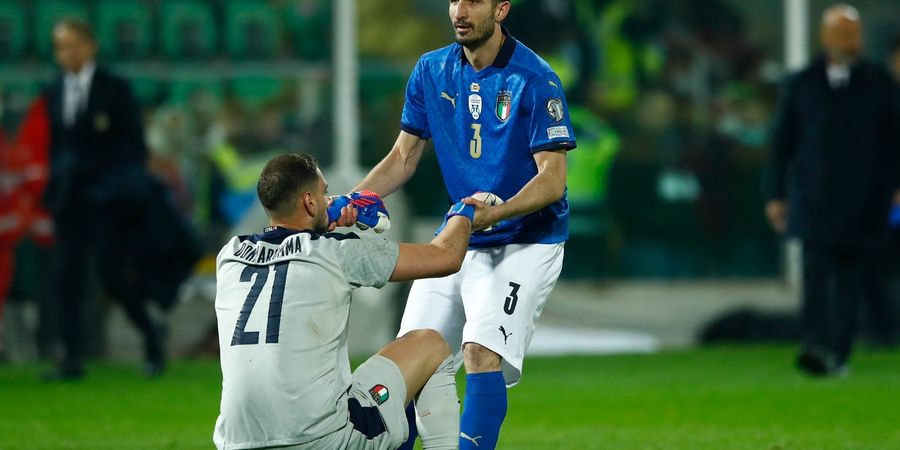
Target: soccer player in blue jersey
{"type": "Point", "coordinates": [497, 116]}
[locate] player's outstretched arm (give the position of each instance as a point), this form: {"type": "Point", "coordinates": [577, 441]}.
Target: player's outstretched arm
{"type": "Point", "coordinates": [444, 255]}
{"type": "Point", "coordinates": [396, 168]}
{"type": "Point", "coordinates": [548, 186]}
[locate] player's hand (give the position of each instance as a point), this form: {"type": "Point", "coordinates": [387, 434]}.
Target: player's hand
{"type": "Point", "coordinates": [777, 213]}
{"type": "Point", "coordinates": [486, 216]}
{"type": "Point", "coordinates": [340, 214]}
{"type": "Point", "coordinates": [369, 211]}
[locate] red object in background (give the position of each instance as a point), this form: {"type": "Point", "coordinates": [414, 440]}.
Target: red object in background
{"type": "Point", "coordinates": [24, 170]}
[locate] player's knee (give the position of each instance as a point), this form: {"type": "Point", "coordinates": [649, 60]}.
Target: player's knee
{"type": "Point", "coordinates": [430, 341]}
{"type": "Point", "coordinates": [478, 358]}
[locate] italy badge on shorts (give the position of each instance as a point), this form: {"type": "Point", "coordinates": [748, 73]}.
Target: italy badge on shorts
{"type": "Point", "coordinates": [379, 393]}
{"type": "Point", "coordinates": [504, 105]}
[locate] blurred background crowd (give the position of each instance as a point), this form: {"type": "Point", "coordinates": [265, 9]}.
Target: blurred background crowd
{"type": "Point", "coordinates": [671, 100]}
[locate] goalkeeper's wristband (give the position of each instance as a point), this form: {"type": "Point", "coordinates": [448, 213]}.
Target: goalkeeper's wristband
{"type": "Point", "coordinates": [461, 209]}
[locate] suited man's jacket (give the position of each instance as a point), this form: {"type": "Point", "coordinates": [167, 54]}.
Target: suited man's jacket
{"type": "Point", "coordinates": [100, 160]}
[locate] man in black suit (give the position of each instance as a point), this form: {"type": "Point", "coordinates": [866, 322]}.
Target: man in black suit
{"type": "Point", "coordinates": [831, 179]}
{"type": "Point", "coordinates": [97, 193]}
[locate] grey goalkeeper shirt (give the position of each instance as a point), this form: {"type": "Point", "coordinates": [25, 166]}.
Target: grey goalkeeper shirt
{"type": "Point", "coordinates": [282, 306]}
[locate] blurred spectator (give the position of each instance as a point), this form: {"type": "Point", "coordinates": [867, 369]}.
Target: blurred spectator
{"type": "Point", "coordinates": [176, 149]}
{"type": "Point", "coordinates": [23, 176]}
{"type": "Point", "coordinates": [408, 37]}
{"type": "Point", "coordinates": [831, 179]}
{"type": "Point", "coordinates": [243, 150]}
{"type": "Point", "coordinates": [98, 193]}
{"type": "Point", "coordinates": [624, 34]}
{"type": "Point", "coordinates": [589, 170]}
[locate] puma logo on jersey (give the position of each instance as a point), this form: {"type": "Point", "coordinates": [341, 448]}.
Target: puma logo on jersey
{"type": "Point", "coordinates": [505, 336]}
{"type": "Point", "coordinates": [469, 438]}
{"type": "Point", "coordinates": [447, 97]}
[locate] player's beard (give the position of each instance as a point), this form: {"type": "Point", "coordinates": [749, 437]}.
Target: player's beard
{"type": "Point", "coordinates": [322, 222]}
{"type": "Point", "coordinates": [479, 34]}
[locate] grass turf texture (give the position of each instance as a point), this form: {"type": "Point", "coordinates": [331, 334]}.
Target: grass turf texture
{"type": "Point", "coordinates": [719, 398]}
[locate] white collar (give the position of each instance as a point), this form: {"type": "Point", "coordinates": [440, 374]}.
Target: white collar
{"type": "Point", "coordinates": [838, 69]}
{"type": "Point", "coordinates": [83, 76]}
{"type": "Point", "coordinates": [838, 75]}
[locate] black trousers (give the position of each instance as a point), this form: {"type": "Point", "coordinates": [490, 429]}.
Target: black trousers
{"type": "Point", "coordinates": [106, 237]}
{"type": "Point", "coordinates": [836, 280]}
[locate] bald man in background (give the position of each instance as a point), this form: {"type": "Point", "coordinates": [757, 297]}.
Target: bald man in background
{"type": "Point", "coordinates": [831, 178]}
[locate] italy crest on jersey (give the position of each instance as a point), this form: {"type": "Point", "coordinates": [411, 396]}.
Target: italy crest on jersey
{"type": "Point", "coordinates": [504, 105]}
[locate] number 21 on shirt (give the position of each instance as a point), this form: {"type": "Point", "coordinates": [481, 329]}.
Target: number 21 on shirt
{"type": "Point", "coordinates": [259, 275]}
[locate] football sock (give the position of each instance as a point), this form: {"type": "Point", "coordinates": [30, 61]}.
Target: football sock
{"type": "Point", "coordinates": [437, 409]}
{"type": "Point", "coordinates": [413, 431]}
{"type": "Point", "coordinates": [484, 409]}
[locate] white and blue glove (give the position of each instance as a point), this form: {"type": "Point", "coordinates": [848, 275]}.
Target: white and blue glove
{"type": "Point", "coordinates": [370, 208]}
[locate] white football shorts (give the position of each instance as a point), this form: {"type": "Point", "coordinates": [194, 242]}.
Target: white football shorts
{"type": "Point", "coordinates": [376, 411]}
{"type": "Point", "coordinates": [494, 301]}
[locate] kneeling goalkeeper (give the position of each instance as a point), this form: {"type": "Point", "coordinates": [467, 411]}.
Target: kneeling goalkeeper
{"type": "Point", "coordinates": [283, 304]}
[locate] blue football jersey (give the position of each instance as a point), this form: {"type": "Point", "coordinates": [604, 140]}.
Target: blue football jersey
{"type": "Point", "coordinates": [486, 125]}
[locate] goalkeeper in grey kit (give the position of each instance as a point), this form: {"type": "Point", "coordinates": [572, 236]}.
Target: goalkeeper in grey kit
{"type": "Point", "coordinates": [282, 306]}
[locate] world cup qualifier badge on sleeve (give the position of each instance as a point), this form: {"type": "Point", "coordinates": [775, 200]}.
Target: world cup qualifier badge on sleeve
{"type": "Point", "coordinates": [555, 109]}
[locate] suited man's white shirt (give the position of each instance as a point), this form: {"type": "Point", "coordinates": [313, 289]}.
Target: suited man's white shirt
{"type": "Point", "coordinates": [77, 89]}
{"type": "Point", "coordinates": [838, 75]}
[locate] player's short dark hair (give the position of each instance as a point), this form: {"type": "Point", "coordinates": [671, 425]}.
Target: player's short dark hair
{"type": "Point", "coordinates": [79, 26]}
{"type": "Point", "coordinates": [282, 179]}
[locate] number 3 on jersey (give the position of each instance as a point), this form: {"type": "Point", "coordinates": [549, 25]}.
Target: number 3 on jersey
{"type": "Point", "coordinates": [475, 143]}
{"type": "Point", "coordinates": [273, 327]}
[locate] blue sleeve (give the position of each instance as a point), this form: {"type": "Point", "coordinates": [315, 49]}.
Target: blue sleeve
{"type": "Point", "coordinates": [414, 119]}
{"type": "Point", "coordinates": [549, 126]}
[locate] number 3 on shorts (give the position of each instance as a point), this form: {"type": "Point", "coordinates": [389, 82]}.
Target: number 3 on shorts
{"type": "Point", "coordinates": [509, 307]}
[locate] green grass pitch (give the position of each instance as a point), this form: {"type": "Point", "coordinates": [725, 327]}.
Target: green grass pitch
{"type": "Point", "coordinates": [718, 399]}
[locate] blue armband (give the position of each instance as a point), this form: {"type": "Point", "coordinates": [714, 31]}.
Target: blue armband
{"type": "Point", "coordinates": [461, 209]}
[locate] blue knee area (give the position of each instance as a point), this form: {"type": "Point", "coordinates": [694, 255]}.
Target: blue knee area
{"type": "Point", "coordinates": [484, 409]}
{"type": "Point", "coordinates": [413, 431]}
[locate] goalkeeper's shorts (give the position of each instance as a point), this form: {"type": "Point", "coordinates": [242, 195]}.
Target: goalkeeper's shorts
{"type": "Point", "coordinates": [376, 416]}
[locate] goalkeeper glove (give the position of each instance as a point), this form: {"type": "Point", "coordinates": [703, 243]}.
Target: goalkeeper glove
{"type": "Point", "coordinates": [369, 205]}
